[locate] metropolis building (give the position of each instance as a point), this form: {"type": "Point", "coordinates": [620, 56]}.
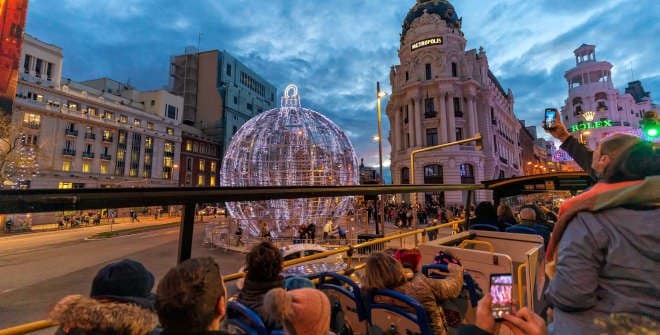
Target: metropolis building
{"type": "Point", "coordinates": [441, 93]}
{"type": "Point", "coordinates": [94, 134]}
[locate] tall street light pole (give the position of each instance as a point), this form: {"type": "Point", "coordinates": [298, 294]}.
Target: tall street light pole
{"type": "Point", "coordinates": [381, 206]}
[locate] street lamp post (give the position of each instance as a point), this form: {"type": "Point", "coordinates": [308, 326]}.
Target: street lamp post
{"type": "Point", "coordinates": [381, 207]}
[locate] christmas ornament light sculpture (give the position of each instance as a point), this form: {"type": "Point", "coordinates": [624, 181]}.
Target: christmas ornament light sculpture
{"type": "Point", "coordinates": [289, 146]}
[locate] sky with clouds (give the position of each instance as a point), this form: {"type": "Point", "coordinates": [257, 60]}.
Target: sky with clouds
{"type": "Point", "coordinates": [336, 50]}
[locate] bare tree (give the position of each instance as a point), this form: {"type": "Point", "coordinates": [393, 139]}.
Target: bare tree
{"type": "Point", "coordinates": [18, 154]}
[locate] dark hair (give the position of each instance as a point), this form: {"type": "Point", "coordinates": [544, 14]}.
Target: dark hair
{"type": "Point", "coordinates": [188, 294]}
{"type": "Point", "coordinates": [639, 161]}
{"type": "Point", "coordinates": [264, 262]}
{"type": "Point", "coordinates": [485, 211]}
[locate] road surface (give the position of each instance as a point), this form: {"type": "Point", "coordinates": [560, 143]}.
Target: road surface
{"type": "Point", "coordinates": [36, 270]}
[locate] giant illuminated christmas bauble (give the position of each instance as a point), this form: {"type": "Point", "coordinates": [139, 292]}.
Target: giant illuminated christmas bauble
{"type": "Point", "coordinates": [289, 146]}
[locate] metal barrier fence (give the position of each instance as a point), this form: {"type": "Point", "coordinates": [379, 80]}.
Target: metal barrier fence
{"type": "Point", "coordinates": [34, 201]}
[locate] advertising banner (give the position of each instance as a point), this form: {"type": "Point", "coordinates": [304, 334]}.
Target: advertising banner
{"type": "Point", "coordinates": [12, 24]}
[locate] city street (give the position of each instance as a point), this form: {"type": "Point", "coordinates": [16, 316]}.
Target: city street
{"type": "Point", "coordinates": [38, 269]}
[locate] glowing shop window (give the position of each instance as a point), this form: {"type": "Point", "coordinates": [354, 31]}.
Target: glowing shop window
{"type": "Point", "coordinates": [66, 165]}
{"type": "Point", "coordinates": [200, 180]}
{"type": "Point", "coordinates": [63, 185]}
{"type": "Point", "coordinates": [212, 181]}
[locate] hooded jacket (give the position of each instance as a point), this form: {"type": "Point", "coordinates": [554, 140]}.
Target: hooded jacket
{"type": "Point", "coordinates": [604, 256]}
{"type": "Point", "coordinates": [252, 296]}
{"type": "Point", "coordinates": [77, 314]}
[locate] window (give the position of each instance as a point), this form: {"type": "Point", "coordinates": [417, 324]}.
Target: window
{"type": "Point", "coordinates": [26, 64]}
{"type": "Point", "coordinates": [195, 147]}
{"type": "Point", "coordinates": [407, 76]}
{"type": "Point", "coordinates": [171, 111]}
{"type": "Point", "coordinates": [212, 181]}
{"type": "Point", "coordinates": [495, 143]}
{"type": "Point", "coordinates": [407, 140]}
{"type": "Point", "coordinates": [37, 68]}
{"type": "Point", "coordinates": [249, 106]}
{"type": "Point", "coordinates": [228, 71]}
{"type": "Point", "coordinates": [73, 105]}
{"type": "Point", "coordinates": [123, 119]}
{"type": "Point", "coordinates": [150, 125]}
{"type": "Point", "coordinates": [31, 120]}
{"type": "Point", "coordinates": [170, 131]}
{"type": "Point", "coordinates": [431, 136]}
{"type": "Point", "coordinates": [200, 180]}
{"type": "Point", "coordinates": [153, 102]}
{"type": "Point", "coordinates": [188, 145]}
{"type": "Point", "coordinates": [64, 186]}
{"type": "Point", "coordinates": [66, 165]}
{"type": "Point", "coordinates": [108, 115]}
{"type": "Point", "coordinates": [429, 108]}
{"type": "Point", "coordinates": [189, 164]}
{"type": "Point", "coordinates": [235, 100]}
{"type": "Point", "coordinates": [405, 175]}
{"type": "Point", "coordinates": [137, 123]}
{"type": "Point", "coordinates": [49, 71]}
{"type": "Point", "coordinates": [454, 70]}
{"type": "Point", "coordinates": [459, 134]}
{"type": "Point", "coordinates": [214, 166]}
{"type": "Point", "coordinates": [234, 130]}
{"type": "Point", "coordinates": [92, 111]}
{"type": "Point", "coordinates": [405, 115]}
{"type": "Point", "coordinates": [202, 165]}
{"type": "Point", "coordinates": [433, 174]}
{"type": "Point", "coordinates": [85, 167]}
{"type": "Point", "coordinates": [467, 173]}
{"type": "Point", "coordinates": [429, 74]}
{"type": "Point", "coordinates": [492, 116]}
{"type": "Point", "coordinates": [104, 168]}
{"type": "Point", "coordinates": [457, 107]}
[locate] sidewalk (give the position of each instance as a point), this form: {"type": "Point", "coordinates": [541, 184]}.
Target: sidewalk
{"type": "Point", "coordinates": [122, 223]}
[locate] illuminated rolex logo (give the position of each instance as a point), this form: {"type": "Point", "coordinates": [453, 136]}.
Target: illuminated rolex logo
{"type": "Point", "coordinates": [589, 116]}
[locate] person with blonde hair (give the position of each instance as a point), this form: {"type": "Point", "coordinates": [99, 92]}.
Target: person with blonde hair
{"type": "Point", "coordinates": [505, 216]}
{"type": "Point", "coordinates": [384, 271]}
{"type": "Point", "coordinates": [305, 311]}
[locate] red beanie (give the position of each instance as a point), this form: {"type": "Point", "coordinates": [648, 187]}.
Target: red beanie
{"type": "Point", "coordinates": [409, 258]}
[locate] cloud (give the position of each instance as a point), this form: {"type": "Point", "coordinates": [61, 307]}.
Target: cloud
{"type": "Point", "coordinates": [336, 50]}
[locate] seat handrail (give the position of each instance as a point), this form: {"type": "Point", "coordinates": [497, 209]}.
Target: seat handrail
{"type": "Point", "coordinates": [465, 243]}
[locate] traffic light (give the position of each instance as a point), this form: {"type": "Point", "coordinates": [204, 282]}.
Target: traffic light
{"type": "Point", "coordinates": [650, 125]}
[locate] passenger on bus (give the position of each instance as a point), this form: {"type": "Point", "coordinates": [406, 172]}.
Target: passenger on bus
{"type": "Point", "coordinates": [192, 298]}
{"type": "Point", "coordinates": [485, 213]}
{"type": "Point", "coordinates": [120, 302]}
{"type": "Point", "coordinates": [301, 311]}
{"type": "Point", "coordinates": [263, 266]}
{"type": "Point", "coordinates": [603, 256]}
{"type": "Point", "coordinates": [505, 216]}
{"type": "Point", "coordinates": [383, 271]}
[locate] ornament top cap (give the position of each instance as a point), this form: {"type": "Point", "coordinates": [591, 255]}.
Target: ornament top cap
{"type": "Point", "coordinates": [290, 98]}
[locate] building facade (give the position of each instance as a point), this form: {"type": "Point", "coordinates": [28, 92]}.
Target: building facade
{"type": "Point", "coordinates": [200, 163]}
{"type": "Point", "coordinates": [220, 92]}
{"type": "Point", "coordinates": [595, 109]}
{"type": "Point", "coordinates": [94, 134]}
{"type": "Point", "coordinates": [443, 93]}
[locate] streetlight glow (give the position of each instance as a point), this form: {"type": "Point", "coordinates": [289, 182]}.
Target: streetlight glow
{"type": "Point", "coordinates": [382, 94]}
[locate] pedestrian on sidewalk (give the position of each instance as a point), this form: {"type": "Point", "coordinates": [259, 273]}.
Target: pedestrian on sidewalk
{"type": "Point", "coordinates": [239, 236]}
{"type": "Point", "coordinates": [327, 228]}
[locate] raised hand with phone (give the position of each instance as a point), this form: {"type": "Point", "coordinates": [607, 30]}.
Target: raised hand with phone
{"type": "Point", "coordinates": [553, 125]}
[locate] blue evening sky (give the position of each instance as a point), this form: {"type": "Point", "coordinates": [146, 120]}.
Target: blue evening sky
{"type": "Point", "coordinates": [336, 50]}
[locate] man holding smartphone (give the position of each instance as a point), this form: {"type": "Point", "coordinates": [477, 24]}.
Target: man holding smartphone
{"type": "Point", "coordinates": [582, 155]}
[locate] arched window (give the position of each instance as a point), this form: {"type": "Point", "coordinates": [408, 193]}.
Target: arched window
{"type": "Point", "coordinates": [467, 173]}
{"type": "Point", "coordinates": [601, 101]}
{"type": "Point", "coordinates": [577, 101]}
{"type": "Point", "coordinates": [433, 174]}
{"type": "Point", "coordinates": [405, 175]}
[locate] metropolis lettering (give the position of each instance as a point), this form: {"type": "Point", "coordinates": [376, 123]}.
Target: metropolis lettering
{"type": "Point", "coordinates": [425, 43]}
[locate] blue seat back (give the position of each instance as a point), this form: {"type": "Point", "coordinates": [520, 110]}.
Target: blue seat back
{"type": "Point", "coordinates": [395, 318]}
{"type": "Point", "coordinates": [483, 226]}
{"type": "Point", "coordinates": [245, 319]}
{"type": "Point", "coordinates": [345, 295]}
{"type": "Point", "coordinates": [520, 229]}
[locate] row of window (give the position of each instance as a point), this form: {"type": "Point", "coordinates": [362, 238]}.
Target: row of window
{"type": "Point", "coordinates": [428, 71]}
{"type": "Point", "coordinates": [213, 165]}
{"type": "Point", "coordinates": [200, 147]}
{"type": "Point", "coordinates": [429, 109]}
{"type": "Point", "coordinates": [41, 68]}
{"type": "Point", "coordinates": [433, 174]}
{"type": "Point", "coordinates": [201, 180]}
{"type": "Point", "coordinates": [432, 137]}
{"type": "Point", "coordinates": [253, 84]}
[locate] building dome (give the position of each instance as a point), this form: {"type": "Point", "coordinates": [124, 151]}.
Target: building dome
{"type": "Point", "coordinates": [439, 7]}
{"type": "Point", "coordinates": [289, 146]}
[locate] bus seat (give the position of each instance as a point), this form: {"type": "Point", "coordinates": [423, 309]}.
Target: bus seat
{"type": "Point", "coordinates": [483, 226]}
{"type": "Point", "coordinates": [394, 319]}
{"type": "Point", "coordinates": [520, 229]}
{"type": "Point", "coordinates": [348, 309]}
{"type": "Point", "coordinates": [243, 320]}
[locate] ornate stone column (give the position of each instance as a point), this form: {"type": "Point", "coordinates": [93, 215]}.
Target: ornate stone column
{"type": "Point", "coordinates": [473, 117]}
{"type": "Point", "coordinates": [443, 117]}
{"type": "Point", "coordinates": [418, 122]}
{"type": "Point", "coordinates": [412, 115]}
{"type": "Point", "coordinates": [396, 130]}
{"type": "Point", "coordinates": [451, 125]}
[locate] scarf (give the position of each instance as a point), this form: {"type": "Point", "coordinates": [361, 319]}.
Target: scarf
{"type": "Point", "coordinates": [600, 197]}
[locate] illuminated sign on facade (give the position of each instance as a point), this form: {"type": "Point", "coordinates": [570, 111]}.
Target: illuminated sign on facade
{"type": "Point", "coordinates": [425, 43]}
{"type": "Point", "coordinates": [591, 125]}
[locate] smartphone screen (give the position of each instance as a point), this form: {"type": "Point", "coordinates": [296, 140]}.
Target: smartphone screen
{"type": "Point", "coordinates": [550, 118]}
{"type": "Point", "coordinates": [500, 289]}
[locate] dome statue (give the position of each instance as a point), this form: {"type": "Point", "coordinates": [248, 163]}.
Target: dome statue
{"type": "Point", "coordinates": [289, 146]}
{"type": "Point", "coordinates": [439, 7]}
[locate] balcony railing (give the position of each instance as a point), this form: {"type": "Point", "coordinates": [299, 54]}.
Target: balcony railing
{"type": "Point", "coordinates": [107, 139]}
{"type": "Point", "coordinates": [68, 152]}
{"type": "Point", "coordinates": [71, 132]}
{"type": "Point", "coordinates": [90, 136]}
{"type": "Point", "coordinates": [105, 157]}
{"type": "Point", "coordinates": [88, 154]}
{"type": "Point", "coordinates": [32, 125]}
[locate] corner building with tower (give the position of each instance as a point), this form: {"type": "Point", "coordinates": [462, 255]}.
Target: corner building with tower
{"type": "Point", "coordinates": [442, 93]}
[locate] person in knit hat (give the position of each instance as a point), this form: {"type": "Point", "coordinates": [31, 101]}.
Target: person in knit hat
{"type": "Point", "coordinates": [304, 311]}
